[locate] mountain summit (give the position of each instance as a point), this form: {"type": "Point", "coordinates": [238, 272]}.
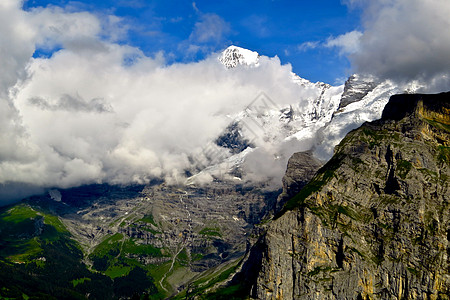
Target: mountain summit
{"type": "Point", "coordinates": [234, 56]}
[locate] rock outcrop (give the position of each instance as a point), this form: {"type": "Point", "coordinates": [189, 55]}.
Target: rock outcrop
{"type": "Point", "coordinates": [301, 168]}
{"type": "Point", "coordinates": [374, 222]}
{"type": "Point", "coordinates": [357, 87]}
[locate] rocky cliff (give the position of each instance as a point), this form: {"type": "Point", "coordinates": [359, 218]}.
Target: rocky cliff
{"type": "Point", "coordinates": [301, 168]}
{"type": "Point", "coordinates": [374, 222]}
{"type": "Point", "coordinates": [357, 87]}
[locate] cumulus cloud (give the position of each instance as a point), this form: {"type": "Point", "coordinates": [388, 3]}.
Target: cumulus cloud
{"type": "Point", "coordinates": [347, 43]}
{"type": "Point", "coordinates": [57, 28]}
{"type": "Point", "coordinates": [16, 47]}
{"type": "Point", "coordinates": [271, 162]}
{"type": "Point", "coordinates": [97, 111]}
{"type": "Point", "coordinates": [405, 40]}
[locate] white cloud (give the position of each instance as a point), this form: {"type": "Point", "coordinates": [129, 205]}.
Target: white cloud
{"type": "Point", "coordinates": [97, 111]}
{"type": "Point", "coordinates": [16, 47]}
{"type": "Point", "coordinates": [57, 28]}
{"type": "Point", "coordinates": [347, 43]}
{"type": "Point", "coordinates": [405, 40]}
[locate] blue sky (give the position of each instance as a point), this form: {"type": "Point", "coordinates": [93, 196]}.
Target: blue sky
{"type": "Point", "coordinates": [186, 31]}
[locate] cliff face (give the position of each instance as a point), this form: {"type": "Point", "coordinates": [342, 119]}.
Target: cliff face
{"type": "Point", "coordinates": [374, 222]}
{"type": "Point", "coordinates": [301, 168]}
{"type": "Point", "coordinates": [357, 87]}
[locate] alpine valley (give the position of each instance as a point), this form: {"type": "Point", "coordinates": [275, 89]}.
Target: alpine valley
{"type": "Point", "coordinates": [362, 211]}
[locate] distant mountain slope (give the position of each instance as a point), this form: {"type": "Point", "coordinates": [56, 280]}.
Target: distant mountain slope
{"type": "Point", "coordinates": [154, 240]}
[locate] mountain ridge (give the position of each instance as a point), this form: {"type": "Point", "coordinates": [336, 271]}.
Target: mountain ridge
{"type": "Point", "coordinates": [373, 223]}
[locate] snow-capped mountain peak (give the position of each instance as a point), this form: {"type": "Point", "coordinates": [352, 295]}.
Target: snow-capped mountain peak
{"type": "Point", "coordinates": [317, 120]}
{"type": "Point", "coordinates": [234, 56]}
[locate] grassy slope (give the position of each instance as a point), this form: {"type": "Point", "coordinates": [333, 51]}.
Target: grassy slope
{"type": "Point", "coordinates": [117, 256]}
{"type": "Point", "coordinates": [39, 260]}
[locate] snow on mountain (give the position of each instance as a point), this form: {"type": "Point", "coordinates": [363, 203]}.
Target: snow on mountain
{"type": "Point", "coordinates": [234, 56]}
{"type": "Point", "coordinates": [318, 121]}
{"type": "Point", "coordinates": [266, 120]}
{"type": "Point", "coordinates": [357, 87]}
{"type": "Point", "coordinates": [366, 107]}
